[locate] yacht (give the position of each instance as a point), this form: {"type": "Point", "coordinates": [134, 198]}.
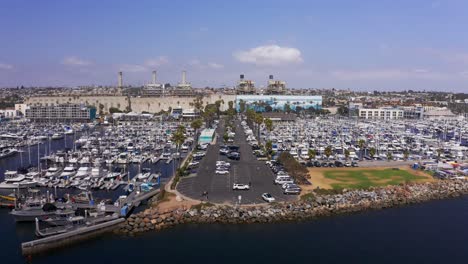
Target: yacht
{"type": "Point", "coordinates": [52, 172]}
{"type": "Point", "coordinates": [13, 180]}
{"type": "Point", "coordinates": [7, 152]}
{"type": "Point", "coordinates": [56, 136]}
{"type": "Point", "coordinates": [68, 172]}
{"type": "Point", "coordinates": [82, 172]}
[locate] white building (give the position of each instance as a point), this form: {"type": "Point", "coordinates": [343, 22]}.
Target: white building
{"type": "Point", "coordinates": [8, 113]}
{"type": "Point", "coordinates": [381, 113]}
{"type": "Point", "coordinates": [21, 108]}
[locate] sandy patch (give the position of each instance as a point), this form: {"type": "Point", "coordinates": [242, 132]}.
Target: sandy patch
{"type": "Point", "coordinates": [171, 202]}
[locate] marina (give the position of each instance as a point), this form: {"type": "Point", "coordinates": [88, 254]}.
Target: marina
{"type": "Point", "coordinates": [71, 184]}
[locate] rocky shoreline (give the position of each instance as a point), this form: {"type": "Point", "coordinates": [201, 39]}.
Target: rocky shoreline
{"type": "Point", "coordinates": [315, 206]}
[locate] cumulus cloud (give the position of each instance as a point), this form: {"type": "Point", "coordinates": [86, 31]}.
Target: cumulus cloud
{"type": "Point", "coordinates": [269, 55]}
{"type": "Point", "coordinates": [132, 68]}
{"type": "Point", "coordinates": [157, 62]}
{"type": "Point", "coordinates": [75, 61]}
{"type": "Point", "coordinates": [4, 66]}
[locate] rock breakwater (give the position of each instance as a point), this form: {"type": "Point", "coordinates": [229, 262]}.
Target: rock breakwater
{"type": "Point", "coordinates": [350, 201]}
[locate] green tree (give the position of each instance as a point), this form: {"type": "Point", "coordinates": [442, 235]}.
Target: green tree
{"type": "Point", "coordinates": [389, 156]}
{"type": "Point", "coordinates": [287, 108]}
{"type": "Point", "coordinates": [328, 151]}
{"type": "Point", "coordinates": [209, 114]}
{"type": "Point", "coordinates": [101, 109]}
{"type": "Point", "coordinates": [196, 124]}
{"type": "Point", "coordinates": [343, 110]}
{"type": "Point", "coordinates": [198, 103]}
{"type": "Point", "coordinates": [312, 153]}
{"type": "Point", "coordinates": [439, 152]}
{"type": "Point", "coordinates": [258, 119]}
{"type": "Point", "coordinates": [268, 124]}
{"type": "Point", "coordinates": [178, 137]}
{"type": "Point", "coordinates": [225, 137]}
{"type": "Point", "coordinates": [406, 154]}
{"type": "Point", "coordinates": [269, 147]}
{"type": "Point", "coordinates": [242, 106]}
{"type": "Point", "coordinates": [346, 153]}
{"type": "Point", "coordinates": [114, 110]}
{"type": "Point", "coordinates": [361, 144]}
{"type": "Point", "coordinates": [372, 152]}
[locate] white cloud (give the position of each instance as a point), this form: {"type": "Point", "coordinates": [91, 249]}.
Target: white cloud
{"type": "Point", "coordinates": [270, 55]}
{"type": "Point", "coordinates": [132, 68]}
{"type": "Point", "coordinates": [75, 61]}
{"type": "Point", "coordinates": [215, 65]}
{"type": "Point", "coordinates": [4, 66]}
{"type": "Point", "coordinates": [157, 62]}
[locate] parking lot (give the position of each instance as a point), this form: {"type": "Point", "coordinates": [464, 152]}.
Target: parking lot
{"type": "Point", "coordinates": [246, 170]}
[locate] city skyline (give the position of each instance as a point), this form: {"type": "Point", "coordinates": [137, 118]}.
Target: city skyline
{"type": "Point", "coordinates": [390, 45]}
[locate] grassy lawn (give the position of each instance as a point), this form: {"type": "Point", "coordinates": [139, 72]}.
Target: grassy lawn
{"type": "Point", "coordinates": [363, 179]}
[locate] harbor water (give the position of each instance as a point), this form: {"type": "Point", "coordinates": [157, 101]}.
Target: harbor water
{"type": "Point", "coordinates": [433, 232]}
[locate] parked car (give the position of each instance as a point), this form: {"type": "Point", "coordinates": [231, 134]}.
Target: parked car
{"type": "Point", "coordinates": [233, 155]}
{"type": "Point", "coordinates": [223, 151]}
{"type": "Point", "coordinates": [223, 163]}
{"type": "Point", "coordinates": [240, 186]}
{"type": "Point", "coordinates": [354, 164]}
{"type": "Point", "coordinates": [268, 198]}
{"type": "Point", "coordinates": [292, 191]}
{"type": "Point", "coordinates": [221, 171]}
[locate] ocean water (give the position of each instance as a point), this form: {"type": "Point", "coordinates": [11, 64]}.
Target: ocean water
{"type": "Point", "coordinates": [432, 232]}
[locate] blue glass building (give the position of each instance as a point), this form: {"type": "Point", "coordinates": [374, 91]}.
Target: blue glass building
{"type": "Point", "coordinates": [261, 103]}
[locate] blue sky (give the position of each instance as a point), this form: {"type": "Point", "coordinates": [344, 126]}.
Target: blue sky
{"type": "Point", "coordinates": [366, 45]}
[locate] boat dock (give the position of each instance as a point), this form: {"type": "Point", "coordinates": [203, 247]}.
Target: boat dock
{"type": "Point", "coordinates": [43, 244]}
{"type": "Point", "coordinates": [60, 240]}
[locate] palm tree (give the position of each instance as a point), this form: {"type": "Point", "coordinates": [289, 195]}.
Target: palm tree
{"type": "Point", "coordinates": [372, 152]}
{"type": "Point", "coordinates": [269, 147]}
{"type": "Point", "coordinates": [389, 156]}
{"type": "Point", "coordinates": [242, 106]}
{"type": "Point", "coordinates": [179, 136]}
{"type": "Point", "coordinates": [196, 124]}
{"type": "Point", "coordinates": [312, 153]}
{"type": "Point", "coordinates": [258, 119]}
{"type": "Point", "coordinates": [268, 124]}
{"type": "Point", "coordinates": [346, 153]}
{"type": "Point", "coordinates": [361, 143]}
{"type": "Point", "coordinates": [328, 151]}
{"type": "Point", "coordinates": [406, 154]}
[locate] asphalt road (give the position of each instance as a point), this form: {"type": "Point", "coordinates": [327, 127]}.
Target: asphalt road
{"type": "Point", "coordinates": [247, 169]}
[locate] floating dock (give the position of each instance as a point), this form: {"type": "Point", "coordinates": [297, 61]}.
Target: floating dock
{"type": "Point", "coordinates": [60, 240]}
